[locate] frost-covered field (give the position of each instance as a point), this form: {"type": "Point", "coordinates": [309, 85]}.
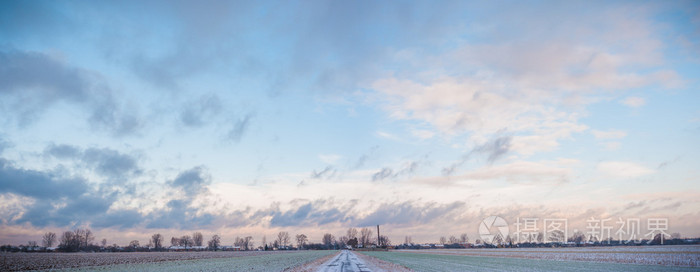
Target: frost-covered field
{"type": "Point", "coordinates": [440, 262]}
{"type": "Point", "coordinates": [159, 261]}
{"type": "Point", "coordinates": [655, 255]}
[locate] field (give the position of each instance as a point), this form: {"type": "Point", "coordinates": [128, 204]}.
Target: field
{"type": "Point", "coordinates": [655, 255]}
{"type": "Point", "coordinates": [160, 261]}
{"type": "Point", "coordinates": [649, 258]}
{"type": "Point", "coordinates": [667, 258]}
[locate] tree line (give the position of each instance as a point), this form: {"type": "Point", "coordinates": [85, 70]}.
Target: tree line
{"type": "Point", "coordinates": [84, 240]}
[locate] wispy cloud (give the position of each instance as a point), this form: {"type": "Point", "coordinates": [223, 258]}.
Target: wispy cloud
{"type": "Point", "coordinates": [329, 158]}
{"type": "Point", "coordinates": [621, 169]}
{"type": "Point", "coordinates": [198, 112]}
{"type": "Point", "coordinates": [493, 149]}
{"type": "Point", "coordinates": [326, 173]}
{"type": "Point", "coordinates": [609, 134]}
{"type": "Point", "coordinates": [634, 101]}
{"type": "Point", "coordinates": [239, 128]}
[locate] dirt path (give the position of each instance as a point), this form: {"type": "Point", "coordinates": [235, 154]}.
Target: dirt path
{"type": "Point", "coordinates": [349, 261]}
{"type": "Point", "coordinates": [346, 261]}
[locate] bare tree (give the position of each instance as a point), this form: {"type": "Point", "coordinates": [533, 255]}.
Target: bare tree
{"type": "Point", "coordinates": [157, 241]}
{"type": "Point", "coordinates": [384, 241]}
{"type": "Point", "coordinates": [84, 237]}
{"type": "Point", "coordinates": [88, 237]}
{"type": "Point", "coordinates": [197, 238]}
{"type": "Point", "coordinates": [578, 237]}
{"type": "Point", "coordinates": [365, 236]}
{"type": "Point", "coordinates": [49, 239]}
{"type": "Point", "coordinates": [134, 244]}
{"type": "Point", "coordinates": [443, 240]}
{"type": "Point", "coordinates": [283, 239]}
{"type": "Point", "coordinates": [286, 238]}
{"type": "Point", "coordinates": [352, 233]}
{"type": "Point", "coordinates": [214, 242]}
{"type": "Point", "coordinates": [186, 241]}
{"type": "Point", "coordinates": [248, 242]}
{"type": "Point", "coordinates": [464, 238]}
{"type": "Point", "coordinates": [78, 235]}
{"type": "Point", "coordinates": [174, 241]}
{"type": "Point", "coordinates": [32, 244]}
{"type": "Point", "coordinates": [556, 236]}
{"type": "Point", "coordinates": [69, 241]}
{"type": "Point", "coordinates": [453, 240]}
{"type": "Point", "coordinates": [301, 240]}
{"type": "Point", "coordinates": [352, 242]}
{"type": "Point", "coordinates": [343, 240]}
{"type": "Point", "coordinates": [328, 240]}
{"type": "Point", "coordinates": [103, 242]}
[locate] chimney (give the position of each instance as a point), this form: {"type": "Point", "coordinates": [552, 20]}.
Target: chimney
{"type": "Point", "coordinates": [378, 237]}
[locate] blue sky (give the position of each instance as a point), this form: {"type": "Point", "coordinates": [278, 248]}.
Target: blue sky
{"type": "Point", "coordinates": [249, 118]}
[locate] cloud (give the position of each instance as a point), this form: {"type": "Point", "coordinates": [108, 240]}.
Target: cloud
{"type": "Point", "coordinates": [179, 214]}
{"type": "Point", "coordinates": [323, 211]}
{"type": "Point", "coordinates": [122, 219]}
{"type": "Point", "coordinates": [409, 213]}
{"type": "Point", "coordinates": [291, 218]}
{"type": "Point", "coordinates": [58, 200]}
{"type": "Point", "coordinates": [239, 128]}
{"type": "Point", "coordinates": [329, 158]}
{"type": "Point", "coordinates": [192, 181]}
{"type": "Point", "coordinates": [406, 169]}
{"type": "Point", "coordinates": [609, 134]}
{"type": "Point", "coordinates": [106, 162]}
{"type": "Point", "coordinates": [388, 136]}
{"type": "Point", "coordinates": [111, 163]}
{"type": "Point", "coordinates": [363, 159]}
{"type": "Point", "coordinates": [665, 164]}
{"type": "Point", "coordinates": [326, 173]}
{"type": "Point", "coordinates": [522, 172]}
{"type": "Point", "coordinates": [494, 149]}
{"type": "Point", "coordinates": [316, 213]}
{"type": "Point", "coordinates": [63, 151]}
{"type": "Point", "coordinates": [197, 112]}
{"type": "Point", "coordinates": [634, 101]}
{"type": "Point", "coordinates": [422, 134]}
{"type": "Point", "coordinates": [217, 38]}
{"type": "Point", "coordinates": [37, 184]}
{"type": "Point", "coordinates": [611, 145]}
{"type": "Point", "coordinates": [4, 144]}
{"type": "Point", "coordinates": [62, 201]}
{"type": "Point", "coordinates": [619, 169]}
{"type": "Point", "coordinates": [32, 82]}
{"type": "Point", "coordinates": [482, 108]}
{"type": "Point", "coordinates": [384, 173]}
{"type": "Point", "coordinates": [534, 87]}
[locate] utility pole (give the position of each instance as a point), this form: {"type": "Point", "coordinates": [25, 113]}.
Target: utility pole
{"type": "Point", "coordinates": [378, 237]}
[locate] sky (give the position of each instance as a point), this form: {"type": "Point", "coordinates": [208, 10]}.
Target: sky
{"type": "Point", "coordinates": [254, 117]}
